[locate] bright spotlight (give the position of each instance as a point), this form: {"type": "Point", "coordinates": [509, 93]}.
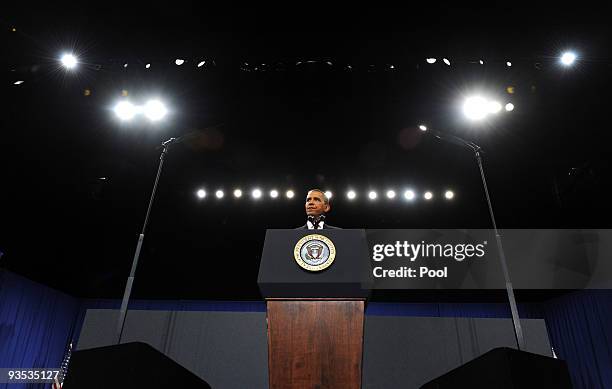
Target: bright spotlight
{"type": "Point", "coordinates": [328, 194]}
{"type": "Point", "coordinates": [155, 110]}
{"type": "Point", "coordinates": [446, 61]}
{"type": "Point", "coordinates": [409, 195]}
{"type": "Point", "coordinates": [201, 64]}
{"type": "Point", "coordinates": [201, 193]}
{"type": "Point", "coordinates": [390, 194]}
{"type": "Point", "coordinates": [508, 64]}
{"type": "Point", "coordinates": [449, 194]}
{"type": "Point", "coordinates": [423, 127]}
{"type": "Point", "coordinates": [125, 110]}
{"type": "Point", "coordinates": [147, 66]}
{"type": "Point", "coordinates": [568, 58]}
{"type": "Point", "coordinates": [428, 195]}
{"type": "Point", "coordinates": [509, 107]}
{"type": "Point", "coordinates": [476, 107]}
{"type": "Point", "coordinates": [431, 60]}
{"type": "Point", "coordinates": [219, 194]}
{"type": "Point", "coordinates": [179, 61]}
{"type": "Point", "coordinates": [290, 194]}
{"type": "Point", "coordinates": [274, 193]}
{"type": "Point", "coordinates": [256, 193]}
{"type": "Point", "coordinates": [372, 195]}
{"type": "Point", "coordinates": [351, 195]}
{"type": "Point", "coordinates": [481, 62]}
{"type": "Point", "coordinates": [237, 193]}
{"type": "Point", "coordinates": [494, 107]}
{"type": "Point", "coordinates": [69, 61]}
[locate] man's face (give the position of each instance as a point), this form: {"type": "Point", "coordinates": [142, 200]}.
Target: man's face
{"type": "Point", "coordinates": [315, 204]}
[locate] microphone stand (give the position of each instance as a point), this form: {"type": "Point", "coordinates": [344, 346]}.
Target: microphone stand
{"type": "Point", "coordinates": [130, 281]}
{"type": "Point", "coordinates": [518, 331]}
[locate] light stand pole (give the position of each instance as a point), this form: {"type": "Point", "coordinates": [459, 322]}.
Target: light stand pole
{"type": "Point", "coordinates": [518, 331]}
{"type": "Point", "coordinates": [130, 280]}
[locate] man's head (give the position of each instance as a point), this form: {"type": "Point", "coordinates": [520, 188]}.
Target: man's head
{"type": "Point", "coordinates": [317, 203]}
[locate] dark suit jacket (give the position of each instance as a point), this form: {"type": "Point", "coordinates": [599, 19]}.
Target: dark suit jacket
{"type": "Point", "coordinates": [325, 227]}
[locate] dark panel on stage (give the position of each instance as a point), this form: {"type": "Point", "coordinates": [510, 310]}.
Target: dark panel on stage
{"type": "Point", "coordinates": [506, 368]}
{"type": "Point", "coordinates": [128, 365]}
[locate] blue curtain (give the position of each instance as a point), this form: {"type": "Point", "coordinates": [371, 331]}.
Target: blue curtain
{"type": "Point", "coordinates": [580, 329]}
{"type": "Point", "coordinates": [36, 324]}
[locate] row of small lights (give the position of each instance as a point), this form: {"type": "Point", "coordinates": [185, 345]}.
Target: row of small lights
{"type": "Point", "coordinates": [350, 195]}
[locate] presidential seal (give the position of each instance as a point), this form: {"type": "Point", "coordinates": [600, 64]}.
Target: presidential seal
{"type": "Point", "coordinates": [314, 252]}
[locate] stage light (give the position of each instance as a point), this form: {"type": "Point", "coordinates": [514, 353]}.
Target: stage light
{"type": "Point", "coordinates": [155, 110]}
{"type": "Point", "coordinates": [290, 194]}
{"type": "Point", "coordinates": [446, 61]}
{"type": "Point", "coordinates": [494, 107]}
{"type": "Point", "coordinates": [125, 65]}
{"type": "Point", "coordinates": [475, 107]}
{"type": "Point", "coordinates": [409, 195]}
{"type": "Point", "coordinates": [372, 195]}
{"type": "Point", "coordinates": [508, 64]}
{"type": "Point", "coordinates": [431, 60]}
{"type": "Point", "coordinates": [201, 64]}
{"type": "Point", "coordinates": [274, 193]}
{"type": "Point", "coordinates": [481, 62]}
{"type": "Point", "coordinates": [351, 195]}
{"type": "Point", "coordinates": [125, 110]}
{"type": "Point", "coordinates": [329, 194]}
{"type": "Point", "coordinates": [449, 194]}
{"type": "Point", "coordinates": [147, 66]}
{"type": "Point", "coordinates": [568, 58]}
{"type": "Point", "coordinates": [428, 195]}
{"type": "Point", "coordinates": [423, 127]}
{"type": "Point", "coordinates": [390, 194]}
{"type": "Point", "coordinates": [18, 82]}
{"type": "Point", "coordinates": [179, 61]}
{"type": "Point", "coordinates": [201, 193]}
{"type": "Point", "coordinates": [219, 194]}
{"type": "Point", "coordinates": [69, 61]}
{"type": "Point", "coordinates": [509, 107]}
{"type": "Point", "coordinates": [237, 193]}
{"type": "Point", "coordinates": [256, 193]}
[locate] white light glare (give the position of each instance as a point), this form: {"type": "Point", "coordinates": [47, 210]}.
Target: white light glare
{"type": "Point", "coordinates": [423, 127]}
{"type": "Point", "coordinates": [179, 61]}
{"type": "Point", "coordinates": [508, 64]}
{"type": "Point", "coordinates": [372, 195]}
{"type": "Point", "coordinates": [125, 110]}
{"type": "Point", "coordinates": [428, 195]}
{"type": "Point", "coordinates": [155, 110]}
{"type": "Point", "coordinates": [351, 195]}
{"type": "Point", "coordinates": [201, 63]}
{"type": "Point", "coordinates": [290, 194]}
{"type": "Point", "coordinates": [274, 193]}
{"type": "Point", "coordinates": [446, 61]}
{"type": "Point", "coordinates": [328, 194]}
{"type": "Point", "coordinates": [390, 194]}
{"type": "Point", "coordinates": [475, 107]}
{"type": "Point", "coordinates": [69, 61]}
{"type": "Point", "coordinates": [494, 107]}
{"type": "Point", "coordinates": [201, 193]}
{"type": "Point", "coordinates": [18, 82]}
{"type": "Point", "coordinates": [568, 58]}
{"type": "Point", "coordinates": [147, 66]}
{"type": "Point", "coordinates": [449, 194]}
{"type": "Point", "coordinates": [219, 194]}
{"type": "Point", "coordinates": [409, 195]}
{"type": "Point", "coordinates": [256, 193]}
{"type": "Point", "coordinates": [509, 107]}
{"type": "Point", "coordinates": [237, 193]}
{"type": "Point", "coordinates": [481, 62]}
{"type": "Point", "coordinates": [431, 60]}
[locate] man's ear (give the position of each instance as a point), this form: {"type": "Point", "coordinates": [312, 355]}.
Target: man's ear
{"type": "Point", "coordinates": [327, 208]}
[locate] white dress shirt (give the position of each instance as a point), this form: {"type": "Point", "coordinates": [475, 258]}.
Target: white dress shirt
{"type": "Point", "coordinates": [311, 226]}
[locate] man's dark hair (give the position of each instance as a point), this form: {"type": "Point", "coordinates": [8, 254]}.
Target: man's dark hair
{"type": "Point", "coordinates": [325, 199]}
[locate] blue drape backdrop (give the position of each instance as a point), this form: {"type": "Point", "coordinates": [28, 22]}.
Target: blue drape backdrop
{"type": "Point", "coordinates": [36, 324]}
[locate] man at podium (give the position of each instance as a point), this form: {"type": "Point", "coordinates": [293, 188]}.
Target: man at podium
{"type": "Point", "coordinates": [317, 206]}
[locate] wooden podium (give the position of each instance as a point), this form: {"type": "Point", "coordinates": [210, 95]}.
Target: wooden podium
{"type": "Point", "coordinates": [315, 319]}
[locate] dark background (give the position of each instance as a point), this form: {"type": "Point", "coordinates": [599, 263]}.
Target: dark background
{"type": "Point", "coordinates": [296, 122]}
